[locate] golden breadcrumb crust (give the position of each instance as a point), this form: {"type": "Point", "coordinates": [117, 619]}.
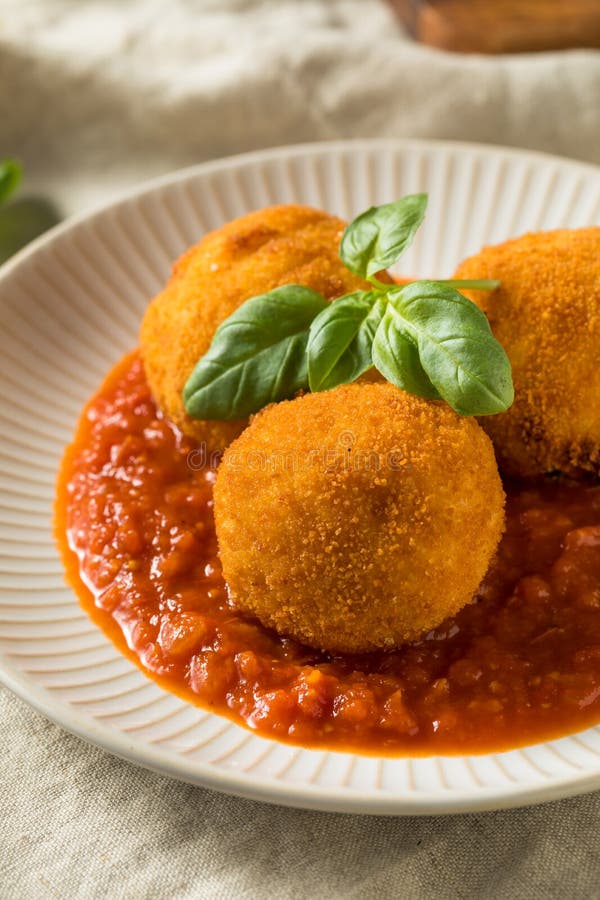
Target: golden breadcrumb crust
{"type": "Point", "coordinates": [357, 518]}
{"type": "Point", "coordinates": [546, 314]}
{"type": "Point", "coordinates": [249, 256]}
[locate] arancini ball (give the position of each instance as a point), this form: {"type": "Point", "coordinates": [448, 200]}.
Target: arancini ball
{"type": "Point", "coordinates": [358, 518]}
{"type": "Point", "coordinates": [546, 315]}
{"type": "Point", "coordinates": [248, 256]}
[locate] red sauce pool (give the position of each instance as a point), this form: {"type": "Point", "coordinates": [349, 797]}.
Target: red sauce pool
{"type": "Point", "coordinates": [520, 664]}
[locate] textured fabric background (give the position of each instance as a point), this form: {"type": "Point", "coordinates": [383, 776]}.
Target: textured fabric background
{"type": "Point", "coordinates": [78, 823]}
{"type": "Point", "coordinates": [97, 96]}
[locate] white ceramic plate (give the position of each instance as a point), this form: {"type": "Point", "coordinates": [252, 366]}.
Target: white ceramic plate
{"type": "Point", "coordinates": [71, 306]}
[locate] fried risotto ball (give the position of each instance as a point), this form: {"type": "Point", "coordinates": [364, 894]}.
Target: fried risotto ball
{"type": "Point", "coordinates": [546, 314]}
{"type": "Point", "coordinates": [248, 256]}
{"type": "Point", "coordinates": [358, 518]}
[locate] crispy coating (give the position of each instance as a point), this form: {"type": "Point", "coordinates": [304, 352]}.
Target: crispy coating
{"type": "Point", "coordinates": [546, 314]}
{"type": "Point", "coordinates": [248, 256]}
{"type": "Point", "coordinates": [357, 518]}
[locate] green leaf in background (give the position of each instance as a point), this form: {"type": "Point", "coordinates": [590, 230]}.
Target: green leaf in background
{"type": "Point", "coordinates": [457, 350]}
{"type": "Point", "coordinates": [23, 220]}
{"type": "Point", "coordinates": [340, 340]}
{"type": "Point", "coordinates": [257, 356]}
{"type": "Point", "coordinates": [375, 239]}
{"type": "Point", "coordinates": [10, 178]}
{"type": "Point", "coordinates": [396, 356]}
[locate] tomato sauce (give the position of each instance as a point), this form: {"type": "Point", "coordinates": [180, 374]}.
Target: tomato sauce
{"type": "Point", "coordinates": [518, 665]}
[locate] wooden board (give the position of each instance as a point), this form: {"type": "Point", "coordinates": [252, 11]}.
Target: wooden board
{"type": "Point", "coordinates": [502, 26]}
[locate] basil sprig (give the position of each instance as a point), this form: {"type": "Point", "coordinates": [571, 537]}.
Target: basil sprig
{"type": "Point", "coordinates": [425, 337]}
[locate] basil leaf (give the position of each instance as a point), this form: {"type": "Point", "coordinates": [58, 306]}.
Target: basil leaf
{"type": "Point", "coordinates": [10, 178]}
{"type": "Point", "coordinates": [396, 356]}
{"type": "Point", "coordinates": [457, 349]}
{"type": "Point", "coordinates": [375, 239]}
{"type": "Point", "coordinates": [257, 356]}
{"type": "Point", "coordinates": [340, 340]}
{"type": "Point", "coordinates": [473, 284]}
{"type": "Point", "coordinates": [23, 220]}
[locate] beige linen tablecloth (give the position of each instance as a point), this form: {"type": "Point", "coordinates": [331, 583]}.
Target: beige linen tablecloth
{"type": "Point", "coordinates": [97, 96]}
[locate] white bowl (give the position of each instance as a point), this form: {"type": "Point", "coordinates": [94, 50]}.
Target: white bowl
{"type": "Point", "coordinates": [71, 306]}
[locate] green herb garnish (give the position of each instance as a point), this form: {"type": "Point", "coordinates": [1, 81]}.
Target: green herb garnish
{"type": "Point", "coordinates": [424, 337]}
{"type": "Point", "coordinates": [378, 237]}
{"type": "Point", "coordinates": [21, 219]}
{"type": "Point", "coordinates": [257, 356]}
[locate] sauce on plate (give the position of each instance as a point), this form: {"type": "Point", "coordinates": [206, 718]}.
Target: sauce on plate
{"type": "Point", "coordinates": [519, 665]}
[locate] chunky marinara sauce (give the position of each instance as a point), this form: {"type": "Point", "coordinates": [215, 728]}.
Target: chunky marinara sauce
{"type": "Point", "coordinates": [520, 664]}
